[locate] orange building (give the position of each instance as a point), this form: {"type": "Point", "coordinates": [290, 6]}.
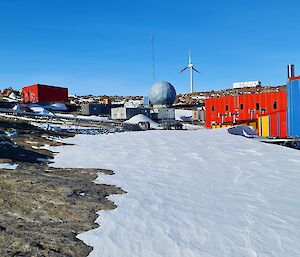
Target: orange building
{"type": "Point", "coordinates": [246, 108]}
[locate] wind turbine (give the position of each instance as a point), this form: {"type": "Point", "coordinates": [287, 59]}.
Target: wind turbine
{"type": "Point", "coordinates": [191, 67]}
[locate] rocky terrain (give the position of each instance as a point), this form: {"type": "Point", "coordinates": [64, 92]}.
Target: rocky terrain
{"type": "Point", "coordinates": [42, 209]}
{"type": "Point", "coordinates": [197, 98]}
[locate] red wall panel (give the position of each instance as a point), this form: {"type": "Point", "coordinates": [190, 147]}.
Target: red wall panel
{"type": "Point", "coordinates": [278, 123]}
{"type": "Point", "coordinates": [43, 93]}
{"type": "Point", "coordinates": [30, 94]}
{"type": "Point", "coordinates": [283, 124]}
{"type": "Point", "coordinates": [274, 126]}
{"type": "Point", "coordinates": [249, 102]}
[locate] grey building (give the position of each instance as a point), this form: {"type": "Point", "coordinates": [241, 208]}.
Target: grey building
{"type": "Point", "coordinates": [166, 113]}
{"type": "Point", "coordinates": [95, 109]}
{"type": "Point", "coordinates": [123, 113]}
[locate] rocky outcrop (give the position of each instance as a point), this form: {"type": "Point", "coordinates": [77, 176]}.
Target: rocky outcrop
{"type": "Point", "coordinates": [42, 209]}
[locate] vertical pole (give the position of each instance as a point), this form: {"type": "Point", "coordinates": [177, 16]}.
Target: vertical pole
{"type": "Point", "coordinates": [191, 78]}
{"type": "Point", "coordinates": [153, 60]}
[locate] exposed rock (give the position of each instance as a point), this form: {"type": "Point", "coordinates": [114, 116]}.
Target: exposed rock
{"type": "Point", "coordinates": [42, 209]}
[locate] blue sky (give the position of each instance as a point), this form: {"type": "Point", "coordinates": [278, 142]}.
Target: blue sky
{"type": "Point", "coordinates": [104, 47]}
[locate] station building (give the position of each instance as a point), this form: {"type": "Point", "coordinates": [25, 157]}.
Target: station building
{"type": "Point", "coordinates": [39, 93]}
{"type": "Point", "coordinates": [272, 114]}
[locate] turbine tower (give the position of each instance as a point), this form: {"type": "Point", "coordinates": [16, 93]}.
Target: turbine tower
{"type": "Point", "coordinates": [192, 69]}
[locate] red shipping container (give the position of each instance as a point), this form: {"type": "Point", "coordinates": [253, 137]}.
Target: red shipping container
{"type": "Point", "coordinates": [43, 94]}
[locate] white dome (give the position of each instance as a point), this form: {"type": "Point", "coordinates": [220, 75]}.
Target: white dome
{"type": "Point", "coordinates": [162, 93]}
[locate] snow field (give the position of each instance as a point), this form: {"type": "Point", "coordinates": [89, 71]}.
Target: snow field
{"type": "Point", "coordinates": [201, 193]}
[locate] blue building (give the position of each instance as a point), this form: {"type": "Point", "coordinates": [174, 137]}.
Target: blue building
{"type": "Point", "coordinates": [293, 111]}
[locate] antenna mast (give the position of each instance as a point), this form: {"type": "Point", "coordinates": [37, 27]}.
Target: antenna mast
{"type": "Point", "coordinates": [153, 60]}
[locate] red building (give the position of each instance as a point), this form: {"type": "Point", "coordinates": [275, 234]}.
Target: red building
{"type": "Point", "coordinates": [248, 107]}
{"type": "Point", "coordinates": [43, 94]}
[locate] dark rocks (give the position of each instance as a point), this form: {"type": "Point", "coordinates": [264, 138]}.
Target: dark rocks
{"type": "Point", "coordinates": [42, 209]}
{"type": "Point", "coordinates": [42, 212]}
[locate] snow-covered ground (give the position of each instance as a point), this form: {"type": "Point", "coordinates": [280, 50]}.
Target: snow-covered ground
{"type": "Point", "coordinates": [82, 117]}
{"type": "Point", "coordinates": [197, 193]}
{"type": "Point", "coordinates": [143, 118]}
{"type": "Point", "coordinates": [8, 166]}
{"type": "Point", "coordinates": [191, 126]}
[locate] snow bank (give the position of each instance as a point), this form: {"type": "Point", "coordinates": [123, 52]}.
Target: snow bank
{"type": "Point", "coordinates": [41, 111]}
{"type": "Point", "coordinates": [143, 118]}
{"type": "Point", "coordinates": [81, 117]}
{"type": "Point", "coordinates": [8, 99]}
{"type": "Point", "coordinates": [13, 96]}
{"type": "Point", "coordinates": [7, 134]}
{"type": "Point", "coordinates": [8, 166]}
{"type": "Point", "coordinates": [191, 126]}
{"type": "Point", "coordinates": [53, 106]}
{"type": "Point", "coordinates": [57, 107]}
{"type": "Point", "coordinates": [17, 109]}
{"type": "Point", "coordinates": [192, 193]}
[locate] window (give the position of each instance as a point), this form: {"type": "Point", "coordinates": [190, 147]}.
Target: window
{"type": "Point", "coordinates": [242, 106]}
{"type": "Point", "coordinates": [275, 105]}
{"type": "Point", "coordinates": [263, 110]}
{"type": "Point", "coordinates": [257, 106]}
{"type": "Point", "coordinates": [226, 107]}
{"type": "Point", "coordinates": [212, 108]}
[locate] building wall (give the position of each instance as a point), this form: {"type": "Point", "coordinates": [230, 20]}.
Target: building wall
{"type": "Point", "coordinates": [264, 126]}
{"type": "Point", "coordinates": [243, 107]}
{"type": "Point", "coordinates": [30, 94]}
{"type": "Point", "coordinates": [130, 112]}
{"type": "Point", "coordinates": [273, 124]}
{"type": "Point", "coordinates": [118, 113]}
{"type": "Point", "coordinates": [43, 93]}
{"type": "Point", "coordinates": [95, 109]}
{"type": "Point", "coordinates": [278, 124]}
{"type": "Point", "coordinates": [293, 88]}
{"type": "Point", "coordinates": [194, 114]}
{"type": "Point", "coordinates": [165, 113]}
{"type": "Point", "coordinates": [123, 113]}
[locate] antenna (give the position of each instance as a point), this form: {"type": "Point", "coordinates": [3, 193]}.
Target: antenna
{"type": "Point", "coordinates": [192, 69]}
{"type": "Point", "coordinates": [153, 59]}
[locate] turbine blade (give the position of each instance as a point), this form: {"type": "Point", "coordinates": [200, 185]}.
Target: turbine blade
{"type": "Point", "coordinates": [183, 69]}
{"type": "Point", "coordinates": [196, 70]}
